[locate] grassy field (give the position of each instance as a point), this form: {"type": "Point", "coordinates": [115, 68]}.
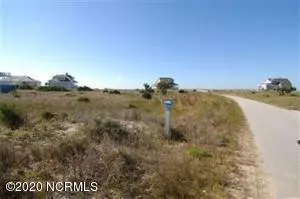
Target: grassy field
{"type": "Point", "coordinates": [117, 141]}
{"type": "Point", "coordinates": [287, 101]}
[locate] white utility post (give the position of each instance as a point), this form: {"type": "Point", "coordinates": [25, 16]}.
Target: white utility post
{"type": "Point", "coordinates": [168, 107]}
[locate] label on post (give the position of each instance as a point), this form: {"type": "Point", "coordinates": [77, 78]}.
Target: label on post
{"type": "Point", "coordinates": [168, 104]}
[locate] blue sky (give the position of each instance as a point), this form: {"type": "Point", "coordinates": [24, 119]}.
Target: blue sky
{"type": "Point", "coordinates": [124, 43]}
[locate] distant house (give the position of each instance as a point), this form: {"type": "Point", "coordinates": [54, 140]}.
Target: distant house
{"type": "Point", "coordinates": [169, 80]}
{"type": "Point", "coordinates": [18, 81]}
{"type": "Point", "coordinates": [64, 81]}
{"type": "Point", "coordinates": [274, 83]}
{"type": "Point", "coordinates": [5, 85]}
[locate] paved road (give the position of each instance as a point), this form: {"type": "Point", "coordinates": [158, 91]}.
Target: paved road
{"type": "Point", "coordinates": [276, 132]}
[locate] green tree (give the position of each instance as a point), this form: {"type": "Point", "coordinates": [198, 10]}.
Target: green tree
{"type": "Point", "coordinates": [148, 88]}
{"type": "Point", "coordinates": [282, 88]}
{"type": "Point", "coordinates": [163, 86]}
{"type": "Point", "coordinates": [147, 91]}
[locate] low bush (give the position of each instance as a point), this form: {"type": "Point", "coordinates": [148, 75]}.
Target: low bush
{"type": "Point", "coordinates": [295, 94]}
{"type": "Point", "coordinates": [7, 157]}
{"type": "Point", "coordinates": [130, 106]}
{"type": "Point", "coordinates": [10, 117]}
{"type": "Point", "coordinates": [52, 88]}
{"type": "Point", "coordinates": [15, 94]}
{"type": "Point", "coordinates": [182, 91]}
{"type": "Point", "coordinates": [114, 92]}
{"type": "Point", "coordinates": [147, 91]}
{"type": "Point", "coordinates": [83, 99]}
{"type": "Point", "coordinates": [105, 90]}
{"type": "Point", "coordinates": [84, 88]}
{"type": "Point", "coordinates": [67, 148]}
{"type": "Point", "coordinates": [147, 95]}
{"type": "Point", "coordinates": [63, 116]}
{"type": "Point", "coordinates": [198, 153]}
{"type": "Point", "coordinates": [70, 94]}
{"type": "Point", "coordinates": [25, 87]}
{"type": "Point", "coordinates": [48, 115]}
{"type": "Point", "coordinates": [111, 129]}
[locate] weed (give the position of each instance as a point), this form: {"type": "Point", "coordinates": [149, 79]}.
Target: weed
{"type": "Point", "coordinates": [48, 115]}
{"type": "Point", "coordinates": [10, 117]}
{"type": "Point", "coordinates": [130, 106]}
{"type": "Point", "coordinates": [114, 92]}
{"type": "Point", "coordinates": [83, 99]}
{"type": "Point", "coordinates": [63, 116]}
{"type": "Point", "coordinates": [84, 88]}
{"type": "Point", "coordinates": [7, 157]}
{"type": "Point", "coordinates": [295, 94]}
{"type": "Point", "coordinates": [132, 115]}
{"type": "Point", "coordinates": [177, 136]}
{"type": "Point", "coordinates": [15, 94]}
{"type": "Point", "coordinates": [147, 95]}
{"type": "Point", "coordinates": [52, 88]}
{"type": "Point", "coordinates": [68, 148]}
{"type": "Point", "coordinates": [198, 153]}
{"type": "Point", "coordinates": [105, 90]}
{"type": "Point", "coordinates": [26, 87]}
{"type": "Point", "coordinates": [70, 94]}
{"type": "Point", "coordinates": [108, 128]}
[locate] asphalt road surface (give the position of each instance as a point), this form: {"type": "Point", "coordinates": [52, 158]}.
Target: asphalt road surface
{"type": "Point", "coordinates": [276, 132]}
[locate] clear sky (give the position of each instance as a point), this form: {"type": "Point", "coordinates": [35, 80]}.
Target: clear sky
{"type": "Point", "coordinates": [124, 43]}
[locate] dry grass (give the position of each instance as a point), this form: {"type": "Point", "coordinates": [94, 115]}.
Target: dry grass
{"type": "Point", "coordinates": [117, 141]}
{"type": "Point", "coordinates": [287, 101]}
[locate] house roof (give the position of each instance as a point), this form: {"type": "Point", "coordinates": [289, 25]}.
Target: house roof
{"type": "Point", "coordinates": [4, 74]}
{"type": "Point", "coordinates": [60, 77]}
{"type": "Point", "coordinates": [22, 79]}
{"type": "Point", "coordinates": [63, 77]}
{"type": "Point", "coordinates": [18, 79]}
{"type": "Point", "coordinates": [279, 80]}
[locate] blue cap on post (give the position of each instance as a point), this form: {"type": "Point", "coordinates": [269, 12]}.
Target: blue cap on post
{"type": "Point", "coordinates": [168, 104]}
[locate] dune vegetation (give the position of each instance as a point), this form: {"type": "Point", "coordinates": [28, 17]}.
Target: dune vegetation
{"type": "Point", "coordinates": [117, 141]}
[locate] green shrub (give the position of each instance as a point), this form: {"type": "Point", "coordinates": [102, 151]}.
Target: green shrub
{"type": "Point", "coordinates": [48, 115]}
{"type": "Point", "coordinates": [147, 91]}
{"type": "Point", "coordinates": [15, 94]}
{"type": "Point", "coordinates": [198, 153]}
{"type": "Point", "coordinates": [10, 117]}
{"type": "Point", "coordinates": [69, 148]}
{"type": "Point", "coordinates": [147, 95]}
{"type": "Point", "coordinates": [7, 157]}
{"type": "Point", "coordinates": [105, 90]}
{"type": "Point", "coordinates": [130, 106]}
{"type": "Point", "coordinates": [83, 99]}
{"type": "Point", "coordinates": [295, 94]}
{"type": "Point", "coordinates": [194, 90]}
{"type": "Point", "coordinates": [84, 88]}
{"type": "Point", "coordinates": [182, 91]}
{"type": "Point", "coordinates": [70, 94]}
{"type": "Point", "coordinates": [114, 92]}
{"type": "Point", "coordinates": [25, 87]}
{"type": "Point", "coordinates": [63, 116]}
{"type": "Point", "coordinates": [112, 129]}
{"type": "Point", "coordinates": [52, 88]}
